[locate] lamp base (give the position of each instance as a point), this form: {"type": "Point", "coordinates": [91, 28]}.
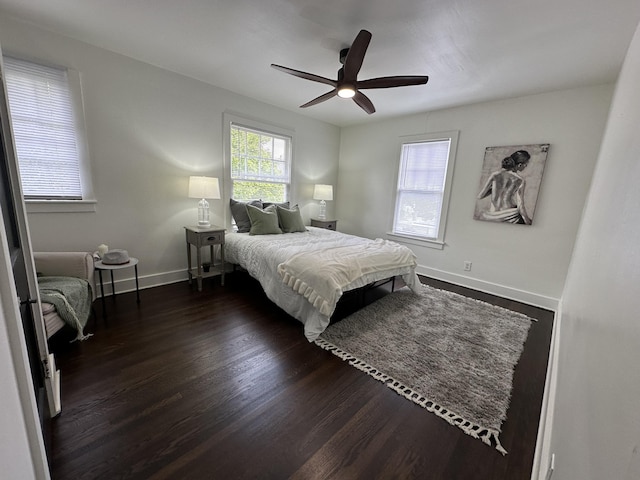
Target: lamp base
{"type": "Point", "coordinates": [203, 213]}
{"type": "Point", "coordinates": [323, 210]}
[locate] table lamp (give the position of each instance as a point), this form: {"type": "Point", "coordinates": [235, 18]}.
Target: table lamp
{"type": "Point", "coordinates": [322, 193]}
{"type": "Point", "coordinates": [203, 188]}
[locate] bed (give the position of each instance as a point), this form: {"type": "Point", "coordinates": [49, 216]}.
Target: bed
{"type": "Point", "coordinates": [305, 273]}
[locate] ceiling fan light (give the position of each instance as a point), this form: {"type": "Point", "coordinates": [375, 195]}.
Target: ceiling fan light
{"type": "Point", "coordinates": [346, 91]}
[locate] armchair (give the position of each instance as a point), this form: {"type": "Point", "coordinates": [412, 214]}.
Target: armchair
{"type": "Point", "coordinates": [65, 264]}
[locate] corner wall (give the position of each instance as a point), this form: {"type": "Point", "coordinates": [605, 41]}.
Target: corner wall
{"type": "Point", "coordinates": [527, 263]}
{"type": "Point", "coordinates": [596, 423]}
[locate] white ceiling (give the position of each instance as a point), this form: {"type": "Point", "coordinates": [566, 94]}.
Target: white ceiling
{"type": "Point", "coordinates": [472, 50]}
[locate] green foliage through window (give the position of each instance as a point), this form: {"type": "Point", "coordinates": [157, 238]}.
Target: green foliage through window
{"type": "Point", "coordinates": [260, 165]}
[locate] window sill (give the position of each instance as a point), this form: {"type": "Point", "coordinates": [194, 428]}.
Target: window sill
{"type": "Point", "coordinates": [60, 206]}
{"type": "Point", "coordinates": [418, 241]}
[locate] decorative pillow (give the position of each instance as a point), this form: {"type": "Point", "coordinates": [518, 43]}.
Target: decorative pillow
{"type": "Point", "coordinates": [240, 215]}
{"type": "Point", "coordinates": [290, 220]}
{"type": "Point", "coordinates": [263, 222]}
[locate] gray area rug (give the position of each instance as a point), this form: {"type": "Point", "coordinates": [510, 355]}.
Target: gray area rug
{"type": "Point", "coordinates": [450, 354]}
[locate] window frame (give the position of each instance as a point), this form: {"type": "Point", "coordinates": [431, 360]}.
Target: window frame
{"type": "Point", "coordinates": [437, 242]}
{"type": "Point", "coordinates": [229, 120]}
{"type": "Point", "coordinates": [60, 205]}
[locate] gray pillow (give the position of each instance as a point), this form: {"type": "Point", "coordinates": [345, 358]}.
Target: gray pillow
{"type": "Point", "coordinates": [263, 222]}
{"type": "Point", "coordinates": [290, 220]}
{"type": "Point", "coordinates": [240, 215]}
{"type": "Point", "coordinates": [283, 204]}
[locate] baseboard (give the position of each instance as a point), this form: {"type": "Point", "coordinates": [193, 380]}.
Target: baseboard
{"type": "Point", "coordinates": [543, 453]}
{"type": "Point", "coordinates": [124, 285]}
{"type": "Point", "coordinates": [523, 296]}
{"type": "Point", "coordinates": [154, 280]}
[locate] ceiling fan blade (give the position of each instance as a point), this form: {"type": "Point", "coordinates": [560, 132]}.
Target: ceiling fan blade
{"type": "Point", "coordinates": [320, 99]}
{"type": "Point", "coordinates": [355, 57]}
{"type": "Point", "coordinates": [305, 75]}
{"type": "Point", "coordinates": [396, 81]}
{"type": "Point", "coordinates": [363, 101]}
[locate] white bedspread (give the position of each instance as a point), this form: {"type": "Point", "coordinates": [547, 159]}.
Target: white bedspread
{"type": "Point", "coordinates": [373, 260]}
{"type": "Point", "coordinates": [322, 276]}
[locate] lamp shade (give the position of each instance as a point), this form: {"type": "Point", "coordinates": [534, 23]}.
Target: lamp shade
{"type": "Point", "coordinates": [204, 187]}
{"type": "Point", "coordinates": [323, 192]}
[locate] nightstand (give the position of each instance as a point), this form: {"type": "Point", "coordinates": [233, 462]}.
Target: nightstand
{"type": "Point", "coordinates": [205, 237]}
{"type": "Point", "coordinates": [328, 224]}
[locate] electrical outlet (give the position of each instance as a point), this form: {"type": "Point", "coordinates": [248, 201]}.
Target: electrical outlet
{"type": "Point", "coordinates": [552, 466]}
{"type": "Point", "coordinates": [467, 266]}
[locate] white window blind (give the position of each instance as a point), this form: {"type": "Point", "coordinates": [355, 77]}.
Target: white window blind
{"type": "Point", "coordinates": [260, 164]}
{"type": "Point", "coordinates": [420, 196]}
{"type": "Point", "coordinates": [44, 128]}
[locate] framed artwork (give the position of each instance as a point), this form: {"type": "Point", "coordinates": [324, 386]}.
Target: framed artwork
{"type": "Point", "coordinates": [510, 183]}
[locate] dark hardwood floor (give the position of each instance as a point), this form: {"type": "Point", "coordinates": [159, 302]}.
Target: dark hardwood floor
{"type": "Point", "coordinates": [222, 384]}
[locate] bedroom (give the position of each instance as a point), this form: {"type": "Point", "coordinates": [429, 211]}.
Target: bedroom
{"type": "Point", "coordinates": [149, 129]}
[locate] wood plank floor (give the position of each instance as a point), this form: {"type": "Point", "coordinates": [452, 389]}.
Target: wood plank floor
{"type": "Point", "coordinates": [222, 384]}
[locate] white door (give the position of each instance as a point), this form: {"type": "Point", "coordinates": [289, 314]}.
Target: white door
{"type": "Point", "coordinates": [44, 375]}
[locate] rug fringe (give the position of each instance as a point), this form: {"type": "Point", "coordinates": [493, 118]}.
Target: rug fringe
{"type": "Point", "coordinates": [486, 435]}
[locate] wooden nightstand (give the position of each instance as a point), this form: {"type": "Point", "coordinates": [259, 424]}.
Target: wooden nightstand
{"type": "Point", "coordinates": [328, 224]}
{"type": "Point", "coordinates": [202, 237]}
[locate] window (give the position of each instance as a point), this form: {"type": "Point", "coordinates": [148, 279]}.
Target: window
{"type": "Point", "coordinates": [260, 164]}
{"type": "Point", "coordinates": [424, 178]}
{"type": "Point", "coordinates": [46, 115]}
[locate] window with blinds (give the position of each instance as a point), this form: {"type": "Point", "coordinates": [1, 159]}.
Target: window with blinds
{"type": "Point", "coordinates": [260, 164]}
{"type": "Point", "coordinates": [45, 131]}
{"type": "Point", "coordinates": [423, 187]}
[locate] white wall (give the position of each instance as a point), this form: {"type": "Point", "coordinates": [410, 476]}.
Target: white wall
{"type": "Point", "coordinates": [528, 263]}
{"type": "Point", "coordinates": [596, 427]}
{"type": "Point", "coordinates": [148, 130]}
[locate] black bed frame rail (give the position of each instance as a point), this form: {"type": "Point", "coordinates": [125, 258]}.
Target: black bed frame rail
{"type": "Point", "coordinates": [362, 291]}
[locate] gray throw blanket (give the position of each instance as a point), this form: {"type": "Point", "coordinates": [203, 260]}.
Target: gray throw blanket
{"type": "Point", "coordinates": [72, 298]}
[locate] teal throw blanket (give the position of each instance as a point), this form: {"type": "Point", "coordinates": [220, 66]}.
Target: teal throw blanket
{"type": "Point", "coordinates": [72, 298]}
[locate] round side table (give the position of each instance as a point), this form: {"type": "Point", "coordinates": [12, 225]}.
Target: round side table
{"type": "Point", "coordinates": [99, 266]}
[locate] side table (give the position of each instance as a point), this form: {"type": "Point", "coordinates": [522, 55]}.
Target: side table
{"type": "Point", "coordinates": [201, 237]}
{"type": "Point", "coordinates": [328, 224]}
{"type": "Point", "coordinates": [99, 266]}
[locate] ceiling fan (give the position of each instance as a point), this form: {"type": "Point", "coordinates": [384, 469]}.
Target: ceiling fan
{"type": "Point", "coordinates": [347, 85]}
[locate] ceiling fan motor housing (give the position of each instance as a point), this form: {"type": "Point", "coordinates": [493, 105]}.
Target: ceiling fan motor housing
{"type": "Point", "coordinates": [343, 55]}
